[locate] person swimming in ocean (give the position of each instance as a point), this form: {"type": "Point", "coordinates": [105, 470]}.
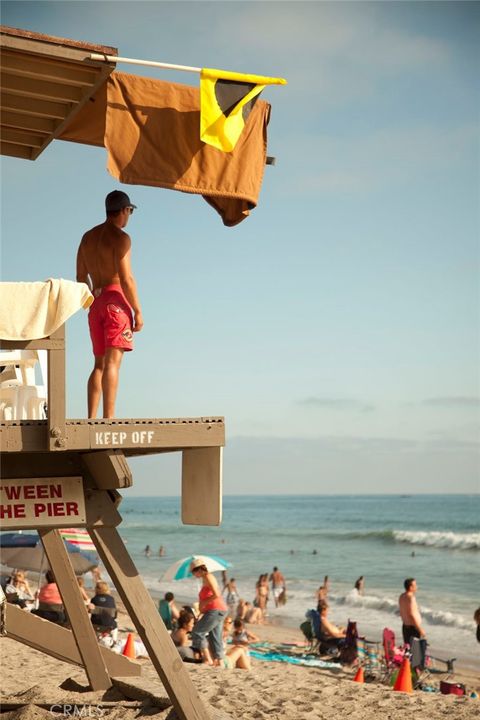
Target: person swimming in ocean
{"type": "Point", "coordinates": [360, 584]}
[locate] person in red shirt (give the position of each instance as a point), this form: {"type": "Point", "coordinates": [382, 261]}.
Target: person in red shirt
{"type": "Point", "coordinates": [50, 603]}
{"type": "Point", "coordinates": [214, 610]}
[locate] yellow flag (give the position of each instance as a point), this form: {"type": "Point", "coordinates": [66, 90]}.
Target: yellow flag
{"type": "Point", "coordinates": [226, 99]}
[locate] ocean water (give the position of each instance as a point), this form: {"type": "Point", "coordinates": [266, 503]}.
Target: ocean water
{"type": "Point", "coordinates": [434, 538]}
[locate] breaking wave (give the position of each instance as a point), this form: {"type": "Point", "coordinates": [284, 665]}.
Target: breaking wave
{"type": "Point", "coordinates": [439, 539]}
{"type": "Point", "coordinates": [386, 604]}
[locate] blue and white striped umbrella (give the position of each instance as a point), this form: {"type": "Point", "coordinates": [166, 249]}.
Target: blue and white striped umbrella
{"type": "Point", "coordinates": [181, 569]}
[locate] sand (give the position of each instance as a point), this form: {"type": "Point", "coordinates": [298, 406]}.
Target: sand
{"type": "Point", "coordinates": [37, 686]}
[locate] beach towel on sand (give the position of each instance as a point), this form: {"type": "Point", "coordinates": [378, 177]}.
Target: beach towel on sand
{"type": "Point", "coordinates": [293, 660]}
{"type": "Point", "coordinates": [32, 310]}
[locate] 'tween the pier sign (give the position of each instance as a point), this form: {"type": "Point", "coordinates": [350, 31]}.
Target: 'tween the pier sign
{"type": "Point", "coordinates": [40, 502]}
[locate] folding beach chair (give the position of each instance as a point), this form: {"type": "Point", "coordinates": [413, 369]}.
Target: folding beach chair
{"type": "Point", "coordinates": [392, 655]}
{"type": "Point", "coordinates": [306, 628]}
{"type": "Point", "coordinates": [426, 666]}
{"type": "Point", "coordinates": [321, 644]}
{"type": "Point", "coordinates": [370, 659]}
{"type": "Point", "coordinates": [349, 649]}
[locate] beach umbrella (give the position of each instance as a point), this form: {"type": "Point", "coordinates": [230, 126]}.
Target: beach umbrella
{"type": "Point", "coordinates": [181, 569]}
{"type": "Point", "coordinates": [25, 551]}
{"type": "Point", "coordinates": [78, 537]}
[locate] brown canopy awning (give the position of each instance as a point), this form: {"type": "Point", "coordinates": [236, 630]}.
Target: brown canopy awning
{"type": "Point", "coordinates": [150, 128]}
{"type": "Point", "coordinates": [44, 82]}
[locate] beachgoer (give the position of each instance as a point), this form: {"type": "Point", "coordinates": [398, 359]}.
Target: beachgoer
{"type": "Point", "coordinates": [278, 584]}
{"type": "Point", "coordinates": [236, 656]}
{"type": "Point", "coordinates": [231, 597]}
{"type": "Point", "coordinates": [214, 610]}
{"type": "Point", "coordinates": [252, 615]}
{"type": "Point", "coordinates": [18, 590]}
{"type": "Point", "coordinates": [242, 608]}
{"type": "Point", "coordinates": [83, 592]}
{"type": "Point", "coordinates": [476, 617]}
{"type": "Point", "coordinates": [169, 611]}
{"type": "Point", "coordinates": [103, 262]}
{"type": "Point", "coordinates": [322, 592]}
{"type": "Point", "coordinates": [242, 636]}
{"type": "Point", "coordinates": [181, 636]}
{"type": "Point", "coordinates": [261, 593]}
{"type": "Point", "coordinates": [359, 585]}
{"type": "Point", "coordinates": [104, 609]}
{"type": "Point", "coordinates": [50, 603]}
{"type": "Point", "coordinates": [409, 612]}
{"type": "Point", "coordinates": [147, 552]}
{"type": "Point", "coordinates": [161, 551]}
{"type": "Point", "coordinates": [49, 592]}
{"type": "Point", "coordinates": [333, 633]}
{"type": "Point", "coordinates": [96, 575]}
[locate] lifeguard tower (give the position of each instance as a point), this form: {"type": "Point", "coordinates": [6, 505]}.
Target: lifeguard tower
{"type": "Point", "coordinates": [58, 471]}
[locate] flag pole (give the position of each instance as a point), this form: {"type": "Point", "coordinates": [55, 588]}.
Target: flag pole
{"type": "Point", "coordinates": [149, 63]}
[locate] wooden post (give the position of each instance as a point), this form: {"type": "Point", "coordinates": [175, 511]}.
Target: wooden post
{"type": "Point", "coordinates": [109, 469]}
{"type": "Point", "coordinates": [56, 393]}
{"type": "Point", "coordinates": [202, 486]}
{"type": "Point", "coordinates": [82, 628]}
{"type": "Point", "coordinates": [149, 624]}
{"type": "Point", "coordinates": [59, 642]}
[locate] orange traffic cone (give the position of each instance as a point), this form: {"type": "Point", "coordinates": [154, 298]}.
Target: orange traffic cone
{"type": "Point", "coordinates": [403, 682]}
{"type": "Point", "coordinates": [129, 649]}
{"type": "Point", "coordinates": [359, 677]}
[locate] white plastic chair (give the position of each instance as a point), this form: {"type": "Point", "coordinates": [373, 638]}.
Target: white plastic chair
{"type": "Point", "coordinates": [20, 397]}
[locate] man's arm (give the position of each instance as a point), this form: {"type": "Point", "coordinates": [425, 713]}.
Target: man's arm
{"type": "Point", "coordinates": [82, 272]}
{"type": "Point", "coordinates": [331, 629]}
{"type": "Point", "coordinates": [127, 281]}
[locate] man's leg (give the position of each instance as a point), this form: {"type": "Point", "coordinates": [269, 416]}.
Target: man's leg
{"type": "Point", "coordinates": [94, 386]}
{"type": "Point", "coordinates": [113, 359]}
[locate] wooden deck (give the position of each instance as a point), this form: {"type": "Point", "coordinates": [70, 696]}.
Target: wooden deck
{"type": "Point", "coordinates": [133, 436]}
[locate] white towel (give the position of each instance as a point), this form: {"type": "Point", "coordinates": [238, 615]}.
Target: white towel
{"type": "Point", "coordinates": [32, 310]}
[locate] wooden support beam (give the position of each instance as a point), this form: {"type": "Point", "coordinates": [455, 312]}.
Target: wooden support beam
{"type": "Point", "coordinates": [54, 342]}
{"type": "Point", "coordinates": [56, 394]}
{"type": "Point", "coordinates": [23, 137]}
{"type": "Point", "coordinates": [40, 108]}
{"type": "Point", "coordinates": [58, 642]}
{"type": "Point", "coordinates": [43, 90]}
{"type": "Point", "coordinates": [202, 486]}
{"type": "Point", "coordinates": [12, 150]}
{"type": "Point", "coordinates": [22, 121]}
{"type": "Point", "coordinates": [46, 69]}
{"type": "Point", "coordinates": [109, 469]}
{"type": "Point", "coordinates": [146, 618]}
{"type": "Point", "coordinates": [82, 628]}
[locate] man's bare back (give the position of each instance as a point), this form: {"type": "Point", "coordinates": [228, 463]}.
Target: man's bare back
{"type": "Point", "coordinates": [100, 249]}
{"type": "Point", "coordinates": [104, 259]}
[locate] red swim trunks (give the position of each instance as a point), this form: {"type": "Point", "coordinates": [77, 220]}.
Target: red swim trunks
{"type": "Point", "coordinates": [110, 320]}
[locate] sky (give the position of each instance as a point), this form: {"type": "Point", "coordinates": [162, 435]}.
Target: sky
{"type": "Point", "coordinates": [337, 328]}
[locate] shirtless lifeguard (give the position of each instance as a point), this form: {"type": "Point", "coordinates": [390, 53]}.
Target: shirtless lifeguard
{"type": "Point", "coordinates": [103, 262]}
{"type": "Point", "coordinates": [409, 612]}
